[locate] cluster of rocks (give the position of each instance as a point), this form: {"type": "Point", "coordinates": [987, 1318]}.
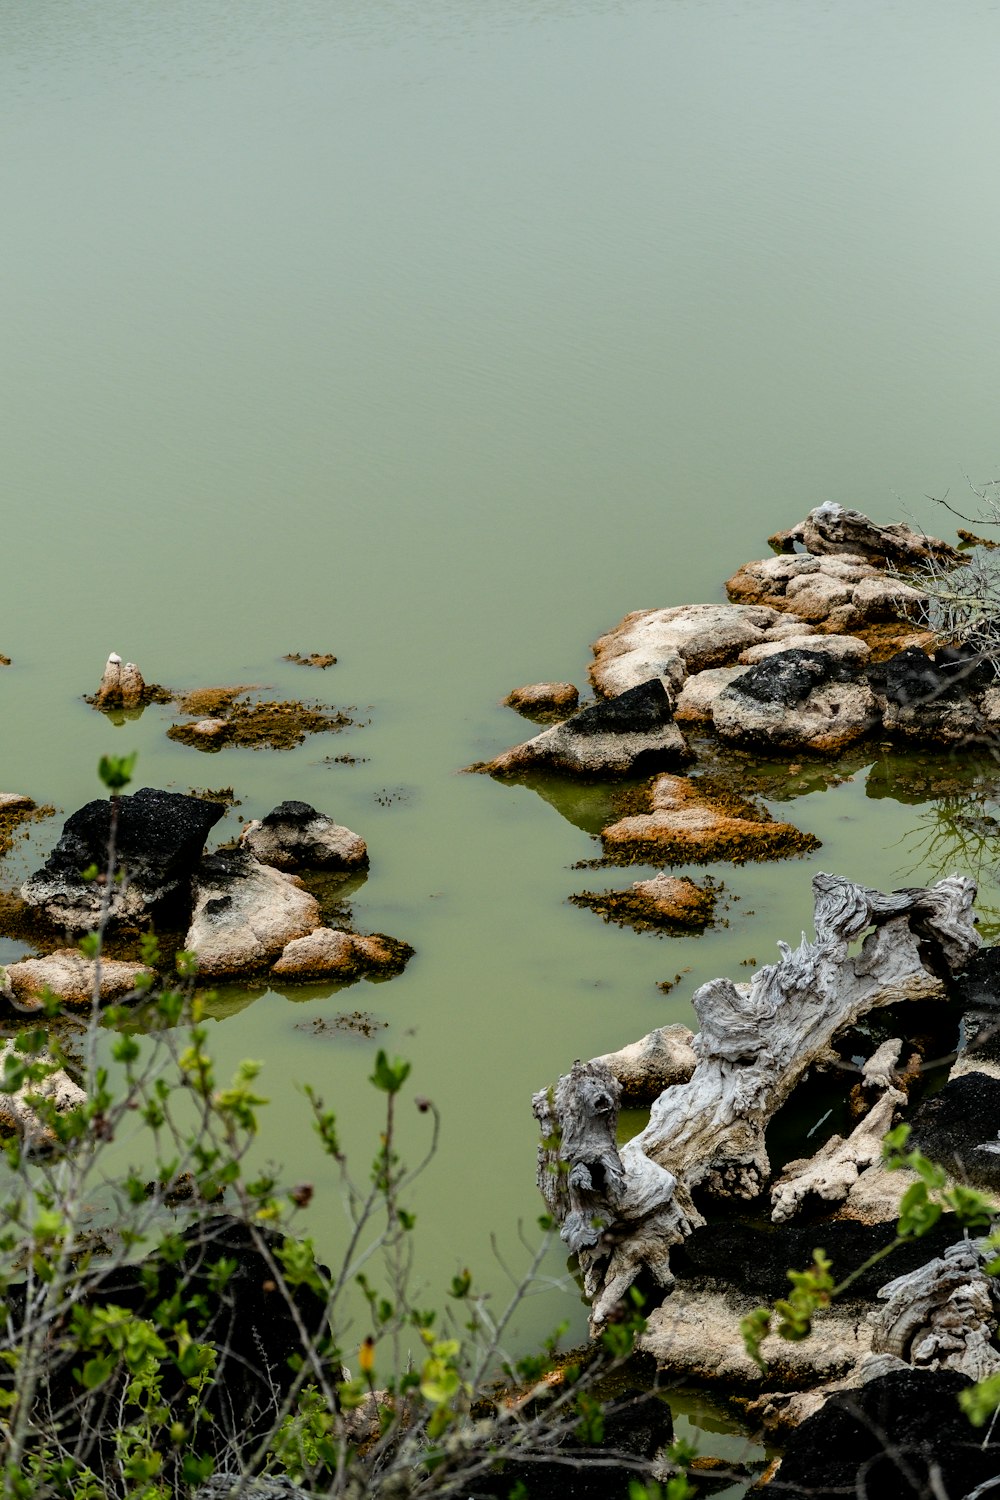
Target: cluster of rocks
{"type": "Point", "coordinates": [244, 911]}
{"type": "Point", "coordinates": [814, 651]}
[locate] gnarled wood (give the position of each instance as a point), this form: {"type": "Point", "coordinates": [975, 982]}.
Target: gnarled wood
{"type": "Point", "coordinates": [943, 1316]}
{"type": "Point", "coordinates": [622, 1210]}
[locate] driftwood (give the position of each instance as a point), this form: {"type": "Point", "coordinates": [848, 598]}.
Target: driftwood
{"type": "Point", "coordinates": [621, 1211]}
{"type": "Point", "coordinates": [832, 529]}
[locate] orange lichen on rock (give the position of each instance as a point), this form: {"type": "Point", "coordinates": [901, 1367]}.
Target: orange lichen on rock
{"type": "Point", "coordinates": [687, 826]}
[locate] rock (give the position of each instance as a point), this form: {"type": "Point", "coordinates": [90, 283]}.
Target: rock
{"type": "Point", "coordinates": [15, 802]}
{"type": "Point", "coordinates": [794, 701]}
{"type": "Point", "coordinates": [960, 1127]}
{"type": "Point", "coordinates": [18, 1111]}
{"type": "Point", "coordinates": [297, 837]}
{"type": "Point", "coordinates": [664, 901]}
{"type": "Point", "coordinates": [896, 1437]}
{"type": "Point", "coordinates": [696, 699]}
{"type": "Point", "coordinates": [607, 739]}
{"type": "Point", "coordinates": [672, 643]}
{"type": "Point", "coordinates": [878, 599]}
{"type": "Point", "coordinates": [684, 826]}
{"type": "Point", "coordinates": [121, 686]}
{"type": "Point", "coordinates": [244, 915]}
{"type": "Point", "coordinates": [331, 953]}
{"type": "Point", "coordinates": [808, 587]}
{"type": "Point", "coordinates": [840, 647]}
{"type": "Point", "coordinates": [932, 699]}
{"type": "Point", "coordinates": [830, 528]}
{"type": "Point", "coordinates": [695, 1336]}
{"type": "Point", "coordinates": [160, 838]}
{"type": "Point", "coordinates": [70, 977]}
{"type": "Point", "coordinates": [645, 1068]}
{"type": "Point", "coordinates": [207, 732]}
{"type": "Point", "coordinates": [539, 699]}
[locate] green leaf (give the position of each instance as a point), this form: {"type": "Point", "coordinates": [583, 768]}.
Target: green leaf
{"type": "Point", "coordinates": [116, 770]}
{"type": "Point", "coordinates": [389, 1076]}
{"type": "Point", "coordinates": [96, 1371]}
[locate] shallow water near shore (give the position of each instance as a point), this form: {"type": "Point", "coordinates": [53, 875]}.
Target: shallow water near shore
{"type": "Point", "coordinates": [438, 339]}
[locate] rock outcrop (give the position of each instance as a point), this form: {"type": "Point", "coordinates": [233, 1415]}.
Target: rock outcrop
{"type": "Point", "coordinates": [831, 529]}
{"type": "Point", "coordinates": [542, 700]}
{"type": "Point", "coordinates": [674, 643]}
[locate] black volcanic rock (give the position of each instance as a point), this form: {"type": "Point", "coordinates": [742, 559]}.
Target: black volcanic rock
{"type": "Point", "coordinates": [159, 841]}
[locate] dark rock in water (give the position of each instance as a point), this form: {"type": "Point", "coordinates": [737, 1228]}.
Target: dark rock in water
{"type": "Point", "coordinates": [960, 1128]}
{"type": "Point", "coordinates": [610, 738]}
{"type": "Point", "coordinates": [901, 1436]}
{"type": "Point", "coordinates": [636, 711]}
{"type": "Point", "coordinates": [159, 841]}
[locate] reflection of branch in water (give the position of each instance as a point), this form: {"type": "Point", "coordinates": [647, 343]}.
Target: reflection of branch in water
{"type": "Point", "coordinates": [957, 833]}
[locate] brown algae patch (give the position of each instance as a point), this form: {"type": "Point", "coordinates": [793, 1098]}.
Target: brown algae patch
{"type": "Point", "coordinates": [255, 725]}
{"type": "Point", "coordinates": [213, 702]}
{"type": "Point", "coordinates": [15, 812]}
{"type": "Point", "coordinates": [320, 659]}
{"type": "Point", "coordinates": [361, 1022]}
{"type": "Point", "coordinates": [665, 903]}
{"type": "Point", "coordinates": [687, 825]}
{"type": "Point", "coordinates": [225, 795]}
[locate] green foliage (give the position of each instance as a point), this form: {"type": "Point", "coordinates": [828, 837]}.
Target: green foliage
{"type": "Point", "coordinates": [116, 771]}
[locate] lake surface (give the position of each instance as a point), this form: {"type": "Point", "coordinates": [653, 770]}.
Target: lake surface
{"type": "Point", "coordinates": [440, 336]}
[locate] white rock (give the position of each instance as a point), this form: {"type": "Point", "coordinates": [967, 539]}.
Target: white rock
{"type": "Point", "coordinates": [69, 976]}
{"type": "Point", "coordinates": [244, 915]}
{"type": "Point", "coordinates": [672, 643]}
{"type": "Point", "coordinates": [297, 837]}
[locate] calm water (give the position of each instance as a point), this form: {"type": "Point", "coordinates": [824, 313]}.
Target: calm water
{"type": "Point", "coordinates": [439, 337]}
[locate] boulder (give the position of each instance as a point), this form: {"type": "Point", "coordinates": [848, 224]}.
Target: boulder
{"type": "Point", "coordinates": [672, 643]}
{"type": "Point", "coordinates": [896, 1437]}
{"type": "Point", "coordinates": [696, 699]}
{"type": "Point", "coordinates": [933, 699]}
{"type": "Point", "coordinates": [645, 1068]}
{"type": "Point", "coordinates": [540, 699]}
{"type": "Point", "coordinates": [831, 528]}
{"type": "Point", "coordinates": [608, 739]}
{"type": "Point", "coordinates": [794, 701]}
{"type": "Point", "coordinates": [244, 915]}
{"type": "Point", "coordinates": [297, 837]}
{"type": "Point", "coordinates": [331, 953]}
{"type": "Point", "coordinates": [71, 978]}
{"type": "Point", "coordinates": [159, 841]}
{"type": "Point", "coordinates": [19, 1113]}
{"type": "Point", "coordinates": [685, 826]}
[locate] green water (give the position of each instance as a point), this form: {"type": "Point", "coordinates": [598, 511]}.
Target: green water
{"type": "Point", "coordinates": [439, 337]}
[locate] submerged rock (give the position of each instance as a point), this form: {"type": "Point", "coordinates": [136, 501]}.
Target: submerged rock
{"type": "Point", "coordinates": [664, 901]}
{"type": "Point", "coordinates": [244, 915]}
{"type": "Point", "coordinates": [297, 837]}
{"type": "Point", "coordinates": [71, 978]}
{"type": "Point", "coordinates": [606, 739]}
{"type": "Point", "coordinates": [797, 700]}
{"type": "Point", "coordinates": [673, 643]}
{"type": "Point", "coordinates": [159, 841]}
{"type": "Point", "coordinates": [685, 825]}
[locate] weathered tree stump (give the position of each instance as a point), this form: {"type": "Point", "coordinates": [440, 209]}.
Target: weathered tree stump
{"type": "Point", "coordinates": [621, 1210]}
